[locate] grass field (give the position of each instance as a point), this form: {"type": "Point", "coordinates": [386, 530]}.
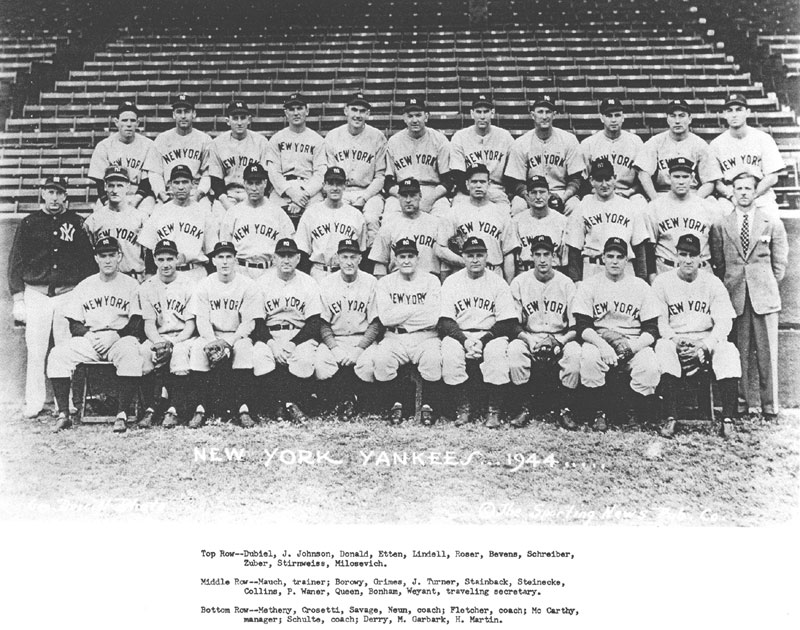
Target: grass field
{"type": "Point", "coordinates": [368, 472]}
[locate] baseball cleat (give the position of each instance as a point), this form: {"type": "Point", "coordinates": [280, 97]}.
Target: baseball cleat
{"type": "Point", "coordinates": [600, 422]}
{"type": "Point", "coordinates": [521, 419]}
{"type": "Point", "coordinates": [426, 415]}
{"type": "Point", "coordinates": [463, 415]}
{"type": "Point", "coordinates": [170, 418]}
{"type": "Point", "coordinates": [566, 420]}
{"type": "Point", "coordinates": [726, 429]}
{"type": "Point", "coordinates": [63, 422]}
{"type": "Point", "coordinates": [668, 428]}
{"type": "Point", "coordinates": [120, 424]}
{"type": "Point", "coordinates": [198, 419]}
{"type": "Point", "coordinates": [245, 419]}
{"type": "Point", "coordinates": [147, 419]}
{"type": "Point", "coordinates": [296, 414]}
{"type": "Point", "coordinates": [396, 413]}
{"type": "Point", "coordinates": [493, 417]}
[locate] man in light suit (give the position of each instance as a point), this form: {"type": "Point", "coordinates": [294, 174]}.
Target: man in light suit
{"type": "Point", "coordinates": [749, 252]}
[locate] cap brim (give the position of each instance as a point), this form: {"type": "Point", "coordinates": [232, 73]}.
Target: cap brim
{"type": "Point", "coordinates": [550, 106]}
{"type": "Point", "coordinates": [56, 186]}
{"type": "Point", "coordinates": [736, 102]}
{"type": "Point", "coordinates": [681, 169]}
{"type": "Point", "coordinates": [119, 178]}
{"type": "Point", "coordinates": [361, 102]}
{"type": "Point", "coordinates": [292, 103]}
{"type": "Point", "coordinates": [165, 250]}
{"type": "Point", "coordinates": [479, 103]}
{"type": "Point", "coordinates": [104, 250]}
{"type": "Point", "coordinates": [614, 248]}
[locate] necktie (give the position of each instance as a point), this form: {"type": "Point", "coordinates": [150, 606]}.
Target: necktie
{"type": "Point", "coordinates": [746, 233]}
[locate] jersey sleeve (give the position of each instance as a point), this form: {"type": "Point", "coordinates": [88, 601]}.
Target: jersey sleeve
{"type": "Point", "coordinates": [443, 154]}
{"type": "Point", "coordinates": [708, 169]}
{"type": "Point", "coordinates": [504, 302]}
{"type": "Point", "coordinates": [646, 160]}
{"type": "Point", "coordinates": [574, 234]}
{"type": "Point", "coordinates": [573, 158]}
{"type": "Point", "coordinates": [433, 302]}
{"type": "Point", "coordinates": [583, 302]}
{"type": "Point", "coordinates": [569, 295]}
{"type": "Point", "coordinates": [146, 307]}
{"type": "Point", "coordinates": [516, 295]}
{"type": "Point", "coordinates": [99, 161]}
{"type": "Point", "coordinates": [448, 297]}
{"type": "Point", "coordinates": [516, 166]}
{"type": "Point", "coordinates": [303, 235]}
{"type": "Point", "coordinates": [771, 160]}
{"type": "Point", "coordinates": [509, 237]}
{"type": "Point", "coordinates": [215, 166]}
{"type": "Point", "coordinates": [74, 307]}
{"type": "Point", "coordinates": [457, 161]}
{"type": "Point", "coordinates": [651, 306]}
{"type": "Point", "coordinates": [314, 183]}
{"type": "Point", "coordinates": [380, 248]}
{"type": "Point", "coordinates": [659, 290]}
{"type": "Point", "coordinates": [228, 224]}
{"type": "Point", "coordinates": [721, 307]}
{"type": "Point", "coordinates": [276, 177]}
{"type": "Point", "coordinates": [152, 159]}
{"type": "Point", "coordinates": [640, 230]}
{"type": "Point", "coordinates": [148, 236]}
{"type": "Point", "coordinates": [285, 225]}
{"type": "Point", "coordinates": [252, 303]}
{"type": "Point", "coordinates": [314, 303]}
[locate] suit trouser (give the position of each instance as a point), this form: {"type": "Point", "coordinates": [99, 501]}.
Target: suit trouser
{"type": "Point", "coordinates": [758, 333]}
{"type": "Point", "coordinates": [43, 315]}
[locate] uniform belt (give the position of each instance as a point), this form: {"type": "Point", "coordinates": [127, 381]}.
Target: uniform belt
{"type": "Point", "coordinates": [134, 274]}
{"type": "Point", "coordinates": [594, 260]}
{"type": "Point", "coordinates": [253, 265]}
{"type": "Point", "coordinates": [188, 266]}
{"type": "Point", "coordinates": [474, 330]}
{"type": "Point", "coordinates": [282, 327]}
{"type": "Point", "coordinates": [672, 263]}
{"type": "Point", "coordinates": [325, 267]}
{"type": "Point", "coordinates": [525, 265]}
{"type": "Point", "coordinates": [290, 178]}
{"type": "Point", "coordinates": [396, 329]}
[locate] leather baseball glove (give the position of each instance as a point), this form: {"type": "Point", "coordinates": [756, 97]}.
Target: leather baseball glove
{"type": "Point", "coordinates": [546, 351]}
{"type": "Point", "coordinates": [217, 351]}
{"type": "Point", "coordinates": [619, 343]}
{"type": "Point", "coordinates": [692, 356]}
{"type": "Point", "coordinates": [162, 351]}
{"type": "Point", "coordinates": [555, 203]}
{"type": "Point", "coordinates": [455, 243]}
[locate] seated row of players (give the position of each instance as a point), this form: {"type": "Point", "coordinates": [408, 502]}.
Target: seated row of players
{"type": "Point", "coordinates": [232, 344]}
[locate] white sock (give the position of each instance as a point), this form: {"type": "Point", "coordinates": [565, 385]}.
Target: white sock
{"type": "Point", "coordinates": [244, 409]}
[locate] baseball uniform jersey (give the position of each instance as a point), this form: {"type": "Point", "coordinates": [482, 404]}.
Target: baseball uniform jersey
{"type": "Point", "coordinates": [669, 218]}
{"type": "Point", "coordinates": [290, 301]}
{"type": "Point", "coordinates": [255, 231]}
{"type": "Point", "coordinates": [595, 221]}
{"type": "Point", "coordinates": [137, 157]}
{"type": "Point", "coordinates": [426, 230]}
{"type": "Point", "coordinates": [468, 148]}
{"type": "Point", "coordinates": [543, 307]}
{"type": "Point", "coordinates": [489, 223]}
{"type": "Point", "coordinates": [348, 307]}
{"type": "Point", "coordinates": [228, 157]}
{"type": "Point", "coordinates": [226, 305]}
{"type": "Point", "coordinates": [426, 158]}
{"type": "Point", "coordinates": [321, 228]}
{"type": "Point", "coordinates": [621, 152]}
{"type": "Point", "coordinates": [621, 306]}
{"type": "Point", "coordinates": [191, 227]}
{"type": "Point", "coordinates": [166, 304]}
{"type": "Point", "coordinates": [553, 224]}
{"type": "Point", "coordinates": [293, 156]}
{"type": "Point", "coordinates": [363, 156]}
{"type": "Point", "coordinates": [101, 305]}
{"type": "Point", "coordinates": [413, 304]}
{"type": "Point", "coordinates": [555, 159]}
{"type": "Point", "coordinates": [476, 304]}
{"type": "Point", "coordinates": [661, 148]}
{"type": "Point", "coordinates": [125, 226]}
{"type": "Point", "coordinates": [192, 150]}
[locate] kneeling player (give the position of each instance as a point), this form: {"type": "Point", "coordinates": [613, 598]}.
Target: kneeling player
{"type": "Point", "coordinates": [616, 316]}
{"type": "Point", "coordinates": [225, 306]}
{"type": "Point", "coordinates": [168, 328]}
{"type": "Point", "coordinates": [696, 319]}
{"type": "Point", "coordinates": [544, 342]}
{"type": "Point", "coordinates": [407, 302]}
{"type": "Point", "coordinates": [103, 326]}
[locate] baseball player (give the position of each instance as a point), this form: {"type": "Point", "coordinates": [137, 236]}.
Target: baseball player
{"type": "Point", "coordinates": [324, 224]}
{"type": "Point", "coordinates": [544, 359]}
{"type": "Point", "coordinates": [102, 321]}
{"type": "Point", "coordinates": [427, 231]}
{"type": "Point", "coordinates": [542, 219]}
{"type": "Point", "coordinates": [348, 331]}
{"type": "Point", "coordinates": [50, 255]}
{"type": "Point", "coordinates": [600, 216]}
{"type": "Point", "coordinates": [421, 153]}
{"type": "Point", "coordinates": [477, 317]}
{"type": "Point", "coordinates": [618, 146]}
{"type": "Point", "coordinates": [485, 220]}
{"type": "Point", "coordinates": [696, 319]}
{"type": "Point", "coordinates": [679, 212]}
{"type": "Point", "coordinates": [169, 328]}
{"type": "Point", "coordinates": [230, 154]}
{"type": "Point", "coordinates": [677, 141]}
{"type": "Point", "coordinates": [742, 149]}
{"type": "Point", "coordinates": [616, 317]}
{"type": "Point", "coordinates": [360, 150]}
{"type": "Point", "coordinates": [255, 225]}
{"type": "Point", "coordinates": [116, 218]}
{"type": "Point", "coordinates": [287, 339]}
{"type": "Point", "coordinates": [225, 306]}
{"type": "Point", "coordinates": [184, 221]}
{"type": "Point", "coordinates": [407, 302]}
{"type": "Point", "coordinates": [547, 151]}
{"type": "Point", "coordinates": [132, 151]}
{"type": "Point", "coordinates": [296, 161]}
{"type": "Point", "coordinates": [186, 145]}
{"type": "Point", "coordinates": [482, 143]}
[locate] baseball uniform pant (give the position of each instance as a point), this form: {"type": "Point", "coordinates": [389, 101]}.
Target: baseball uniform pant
{"type": "Point", "coordinates": [319, 272]}
{"type": "Point", "coordinates": [725, 361]}
{"type": "Point", "coordinates": [301, 361]}
{"type": "Point", "coordinates": [372, 211]}
{"type": "Point", "coordinates": [43, 315]}
{"type": "Point", "coordinates": [325, 365]}
{"type": "Point", "coordinates": [518, 204]}
{"type": "Point", "coordinates": [497, 195]}
{"type": "Point", "coordinates": [519, 362]}
{"type": "Point", "coordinates": [438, 208]}
{"type": "Point", "coordinates": [494, 366]}
{"type": "Point", "coordinates": [643, 368]}
{"type": "Point", "coordinates": [65, 357]}
{"type": "Point", "coordinates": [251, 272]}
{"type": "Point", "coordinates": [421, 348]}
{"type": "Point", "coordinates": [284, 202]}
{"type": "Point", "coordinates": [242, 353]}
{"type": "Point", "coordinates": [758, 333]}
{"type": "Point", "coordinates": [178, 362]}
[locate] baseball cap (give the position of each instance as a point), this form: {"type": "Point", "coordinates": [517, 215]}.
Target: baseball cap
{"type": "Point", "coordinates": [254, 171]}
{"type": "Point", "coordinates": [335, 173]}
{"type": "Point", "coordinates": [128, 106]}
{"type": "Point", "coordinates": [736, 98]}
{"type": "Point", "coordinates": [482, 99]}
{"type": "Point", "coordinates": [106, 244]}
{"type": "Point", "coordinates": [678, 104]}
{"type": "Point", "coordinates": [615, 243]}
{"type": "Point", "coordinates": [295, 98]}
{"type": "Point", "coordinates": [538, 182]}
{"type": "Point", "coordinates": [474, 244]}
{"type": "Point", "coordinates": [601, 169]}
{"type": "Point", "coordinates": [348, 245]}
{"type": "Point", "coordinates": [56, 181]}
{"type": "Point", "coordinates": [183, 100]}
{"type": "Point", "coordinates": [181, 170]}
{"type": "Point", "coordinates": [409, 185]}
{"type": "Point", "coordinates": [405, 246]}
{"type": "Point", "coordinates": [680, 164]}
{"type": "Point", "coordinates": [359, 99]}
{"type": "Point", "coordinates": [542, 241]}
{"type": "Point", "coordinates": [544, 100]}
{"type": "Point", "coordinates": [477, 168]}
{"type": "Point", "coordinates": [689, 243]}
{"type": "Point", "coordinates": [415, 104]}
{"type": "Point", "coordinates": [608, 105]}
{"type": "Point", "coordinates": [222, 247]}
{"type": "Point", "coordinates": [165, 246]}
{"type": "Point", "coordinates": [237, 107]}
{"type": "Point", "coordinates": [116, 172]}
{"type": "Point", "coordinates": [286, 246]}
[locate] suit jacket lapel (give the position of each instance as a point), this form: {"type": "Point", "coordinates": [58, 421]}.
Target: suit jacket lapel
{"type": "Point", "coordinates": [760, 223]}
{"type": "Point", "coordinates": [732, 227]}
